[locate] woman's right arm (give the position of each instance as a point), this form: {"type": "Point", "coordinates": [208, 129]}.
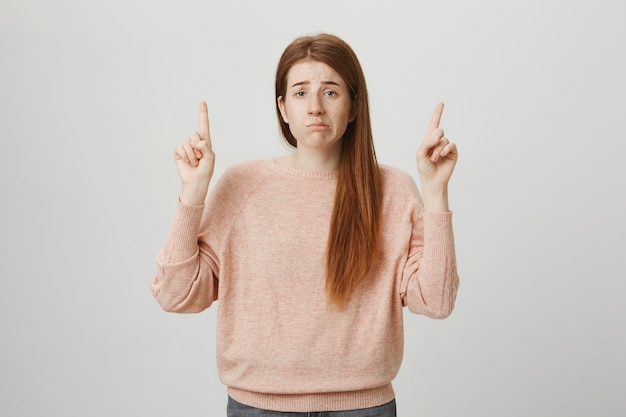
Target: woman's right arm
{"type": "Point", "coordinates": [186, 277]}
{"type": "Point", "coordinates": [195, 161]}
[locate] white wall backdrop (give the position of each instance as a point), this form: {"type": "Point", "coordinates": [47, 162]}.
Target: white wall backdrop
{"type": "Point", "coordinates": [94, 97]}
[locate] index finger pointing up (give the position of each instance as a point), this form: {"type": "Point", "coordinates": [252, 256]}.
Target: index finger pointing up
{"type": "Point", "coordinates": [434, 121]}
{"type": "Point", "coordinates": [204, 121]}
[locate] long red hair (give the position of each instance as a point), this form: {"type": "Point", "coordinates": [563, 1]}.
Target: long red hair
{"type": "Point", "coordinates": [355, 225]}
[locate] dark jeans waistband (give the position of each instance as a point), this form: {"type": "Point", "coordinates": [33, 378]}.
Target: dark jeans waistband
{"type": "Point", "coordinates": [236, 409]}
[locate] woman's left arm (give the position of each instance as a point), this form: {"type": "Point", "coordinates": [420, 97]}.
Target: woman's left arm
{"type": "Point", "coordinates": [432, 282]}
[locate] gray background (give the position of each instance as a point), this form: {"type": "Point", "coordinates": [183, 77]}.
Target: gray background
{"type": "Point", "coordinates": [94, 97]}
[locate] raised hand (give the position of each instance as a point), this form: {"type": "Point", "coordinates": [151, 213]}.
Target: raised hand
{"type": "Point", "coordinates": [195, 162]}
{"type": "Point", "coordinates": [437, 156]}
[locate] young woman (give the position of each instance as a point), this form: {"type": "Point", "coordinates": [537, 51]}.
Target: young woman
{"type": "Point", "coordinates": [312, 255]}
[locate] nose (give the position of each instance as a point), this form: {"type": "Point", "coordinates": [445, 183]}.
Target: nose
{"type": "Point", "coordinates": [315, 105]}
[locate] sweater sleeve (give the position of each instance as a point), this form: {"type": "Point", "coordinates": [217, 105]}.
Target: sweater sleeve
{"type": "Point", "coordinates": [188, 265]}
{"type": "Point", "coordinates": [430, 280]}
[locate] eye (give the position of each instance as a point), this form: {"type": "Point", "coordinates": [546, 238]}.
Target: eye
{"type": "Point", "coordinates": [330, 93]}
{"type": "Point", "coordinates": [300, 94]}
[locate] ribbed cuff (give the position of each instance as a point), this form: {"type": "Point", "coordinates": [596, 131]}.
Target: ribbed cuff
{"type": "Point", "coordinates": [438, 233]}
{"type": "Point", "coordinates": [182, 241]}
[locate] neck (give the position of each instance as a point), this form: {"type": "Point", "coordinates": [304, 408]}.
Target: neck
{"type": "Point", "coordinates": [312, 160]}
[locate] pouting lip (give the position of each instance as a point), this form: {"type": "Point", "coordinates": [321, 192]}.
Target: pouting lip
{"type": "Point", "coordinates": [317, 124]}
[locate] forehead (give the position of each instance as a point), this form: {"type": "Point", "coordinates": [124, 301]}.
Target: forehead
{"type": "Point", "coordinates": [312, 71]}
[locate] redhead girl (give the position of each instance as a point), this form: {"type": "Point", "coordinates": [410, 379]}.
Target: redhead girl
{"type": "Point", "coordinates": [312, 255]}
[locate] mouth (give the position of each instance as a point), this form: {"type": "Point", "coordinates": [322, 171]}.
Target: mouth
{"type": "Point", "coordinates": [317, 125]}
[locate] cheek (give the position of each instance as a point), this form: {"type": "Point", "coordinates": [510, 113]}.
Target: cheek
{"type": "Point", "coordinates": [346, 109]}
{"type": "Point", "coordinates": [347, 114]}
{"type": "Point", "coordinates": [291, 110]}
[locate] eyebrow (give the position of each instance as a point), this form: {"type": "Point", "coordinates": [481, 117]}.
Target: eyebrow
{"type": "Point", "coordinates": [308, 82]}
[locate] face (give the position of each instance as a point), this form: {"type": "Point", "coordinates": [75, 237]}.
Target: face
{"type": "Point", "coordinates": [316, 105]}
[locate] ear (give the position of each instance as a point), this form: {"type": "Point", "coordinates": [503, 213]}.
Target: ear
{"type": "Point", "coordinates": [281, 107]}
{"type": "Point", "coordinates": [352, 111]}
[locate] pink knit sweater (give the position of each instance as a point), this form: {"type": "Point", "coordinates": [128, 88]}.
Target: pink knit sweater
{"type": "Point", "coordinates": [258, 246]}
